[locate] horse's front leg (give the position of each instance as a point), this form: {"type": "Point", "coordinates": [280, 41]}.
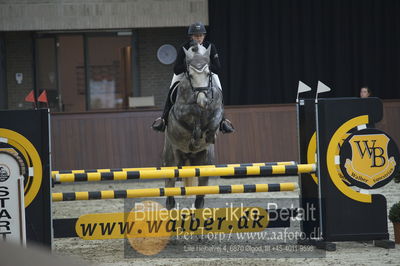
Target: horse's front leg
{"type": "Point", "coordinates": [213, 126]}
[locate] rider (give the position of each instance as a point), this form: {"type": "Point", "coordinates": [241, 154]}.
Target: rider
{"type": "Point", "coordinates": [197, 33]}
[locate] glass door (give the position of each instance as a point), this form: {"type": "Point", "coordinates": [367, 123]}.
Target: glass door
{"type": "Point", "coordinates": [71, 69]}
{"type": "Point", "coordinates": [60, 71]}
{"type": "Point", "coordinates": [46, 71]}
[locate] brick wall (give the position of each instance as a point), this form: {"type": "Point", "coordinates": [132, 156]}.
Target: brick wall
{"type": "Point", "coordinates": [155, 77]}
{"type": "Point", "coordinates": [19, 59]}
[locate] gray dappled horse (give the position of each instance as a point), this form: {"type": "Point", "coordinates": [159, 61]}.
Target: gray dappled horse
{"type": "Point", "coordinates": [193, 120]}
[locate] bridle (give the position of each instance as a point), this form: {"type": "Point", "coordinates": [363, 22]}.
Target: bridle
{"type": "Point", "coordinates": [197, 90]}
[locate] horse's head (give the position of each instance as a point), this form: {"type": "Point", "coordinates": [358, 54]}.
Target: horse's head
{"type": "Point", "coordinates": [198, 73]}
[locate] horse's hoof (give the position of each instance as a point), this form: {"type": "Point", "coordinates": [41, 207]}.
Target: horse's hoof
{"type": "Point", "coordinates": [199, 202]}
{"type": "Point", "coordinates": [170, 203]}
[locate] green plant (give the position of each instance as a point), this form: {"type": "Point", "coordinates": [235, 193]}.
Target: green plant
{"type": "Point", "coordinates": [394, 213]}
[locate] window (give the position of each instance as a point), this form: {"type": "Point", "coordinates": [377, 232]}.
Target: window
{"type": "Point", "coordinates": [109, 72]}
{"type": "Point", "coordinates": [84, 71]}
{"type": "Point", "coordinates": [46, 70]}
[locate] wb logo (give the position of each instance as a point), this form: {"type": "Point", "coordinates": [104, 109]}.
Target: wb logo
{"type": "Point", "coordinates": [376, 154]}
{"type": "Point", "coordinates": [367, 161]}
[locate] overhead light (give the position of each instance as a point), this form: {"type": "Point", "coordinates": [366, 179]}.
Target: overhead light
{"type": "Point", "coordinates": [124, 33]}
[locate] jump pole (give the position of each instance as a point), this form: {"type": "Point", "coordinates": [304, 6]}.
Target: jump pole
{"type": "Point", "coordinates": [262, 171]}
{"type": "Point", "coordinates": [172, 191]}
{"type": "Point", "coordinates": [54, 173]}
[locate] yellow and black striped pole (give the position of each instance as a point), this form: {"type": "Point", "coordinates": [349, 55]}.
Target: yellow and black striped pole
{"type": "Point", "coordinates": [172, 191]}
{"type": "Point", "coordinates": [54, 173]}
{"type": "Point", "coordinates": [262, 171]}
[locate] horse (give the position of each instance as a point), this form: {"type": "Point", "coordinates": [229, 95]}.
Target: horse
{"type": "Point", "coordinates": [193, 120]}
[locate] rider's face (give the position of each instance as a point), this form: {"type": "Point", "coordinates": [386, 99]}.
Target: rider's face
{"type": "Point", "coordinates": [199, 38]}
{"type": "Point", "coordinates": [364, 93]}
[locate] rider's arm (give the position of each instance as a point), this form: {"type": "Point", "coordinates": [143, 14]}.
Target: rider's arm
{"type": "Point", "coordinates": [180, 64]}
{"type": "Point", "coordinates": [215, 65]}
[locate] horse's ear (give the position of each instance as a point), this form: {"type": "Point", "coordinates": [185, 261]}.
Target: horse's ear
{"type": "Point", "coordinates": [208, 51]}
{"type": "Point", "coordinates": [188, 54]}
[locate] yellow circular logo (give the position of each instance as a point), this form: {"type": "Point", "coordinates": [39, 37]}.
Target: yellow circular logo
{"type": "Point", "coordinates": [147, 245]}
{"type": "Point", "coordinates": [33, 179]}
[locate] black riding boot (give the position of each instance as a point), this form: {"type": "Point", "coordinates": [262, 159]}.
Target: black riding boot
{"type": "Point", "coordinates": [160, 123]}
{"type": "Point", "coordinates": [226, 126]}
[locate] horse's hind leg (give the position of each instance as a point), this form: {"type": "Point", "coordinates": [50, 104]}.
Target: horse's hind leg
{"type": "Point", "coordinates": [172, 158]}
{"type": "Point", "coordinates": [204, 158]}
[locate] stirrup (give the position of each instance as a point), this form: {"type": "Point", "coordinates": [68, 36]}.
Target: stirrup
{"type": "Point", "coordinates": [159, 125]}
{"type": "Point", "coordinates": [226, 126]}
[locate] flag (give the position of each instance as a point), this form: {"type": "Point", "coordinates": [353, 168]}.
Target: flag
{"type": "Point", "coordinates": [30, 97]}
{"type": "Point", "coordinates": [322, 87]}
{"type": "Point", "coordinates": [43, 97]}
{"type": "Point", "coordinates": [302, 87]}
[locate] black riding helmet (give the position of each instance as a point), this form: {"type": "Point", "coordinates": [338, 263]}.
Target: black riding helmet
{"type": "Point", "coordinates": [197, 28]}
